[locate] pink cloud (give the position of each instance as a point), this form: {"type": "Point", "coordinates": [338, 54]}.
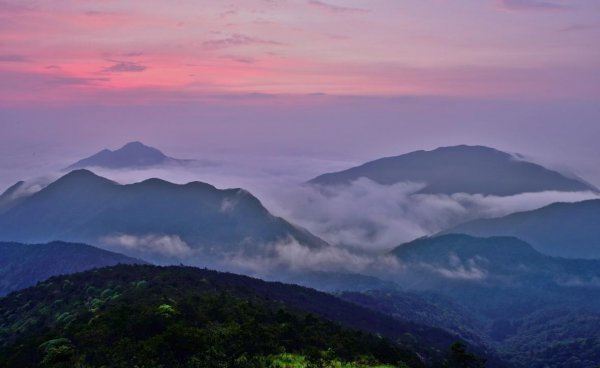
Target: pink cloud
{"type": "Point", "coordinates": [541, 5]}
{"type": "Point", "coordinates": [336, 8]}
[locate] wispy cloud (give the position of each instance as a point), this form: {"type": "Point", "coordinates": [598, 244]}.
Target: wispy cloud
{"type": "Point", "coordinates": [336, 8]}
{"type": "Point", "coordinates": [240, 59]}
{"type": "Point", "coordinates": [125, 67]}
{"type": "Point", "coordinates": [14, 58]}
{"type": "Point", "coordinates": [532, 5]}
{"type": "Point", "coordinates": [238, 40]}
{"type": "Point", "coordinates": [73, 81]}
{"type": "Point", "coordinates": [578, 27]}
{"type": "Point", "coordinates": [9, 7]}
{"type": "Point", "coordinates": [161, 244]}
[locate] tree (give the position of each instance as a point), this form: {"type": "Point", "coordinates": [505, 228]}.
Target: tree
{"type": "Point", "coordinates": [459, 357]}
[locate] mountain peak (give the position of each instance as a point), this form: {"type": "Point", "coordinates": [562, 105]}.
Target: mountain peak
{"type": "Point", "coordinates": [82, 177]}
{"type": "Point", "coordinates": [460, 169]}
{"type": "Point", "coordinates": [134, 154]}
{"type": "Point", "coordinates": [139, 147]}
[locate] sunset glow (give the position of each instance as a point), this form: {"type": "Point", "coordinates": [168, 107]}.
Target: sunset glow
{"type": "Point", "coordinates": [109, 52]}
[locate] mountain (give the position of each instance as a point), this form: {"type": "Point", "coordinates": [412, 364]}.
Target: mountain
{"type": "Point", "coordinates": [134, 316]}
{"type": "Point", "coordinates": [153, 219]}
{"type": "Point", "coordinates": [499, 262]}
{"type": "Point", "coordinates": [560, 229]}
{"type": "Point", "coordinates": [429, 309]}
{"type": "Point", "coordinates": [11, 196]}
{"type": "Point", "coordinates": [536, 310]}
{"type": "Point", "coordinates": [131, 155]}
{"type": "Point", "coordinates": [333, 281]}
{"type": "Point", "coordinates": [460, 169]}
{"type": "Point", "coordinates": [23, 265]}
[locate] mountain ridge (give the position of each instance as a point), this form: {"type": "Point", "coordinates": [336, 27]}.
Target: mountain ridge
{"type": "Point", "coordinates": [459, 169]}
{"type": "Point", "coordinates": [23, 265]}
{"type": "Point", "coordinates": [559, 229]}
{"type": "Point", "coordinates": [84, 207]}
{"type": "Point", "coordinates": [132, 155]}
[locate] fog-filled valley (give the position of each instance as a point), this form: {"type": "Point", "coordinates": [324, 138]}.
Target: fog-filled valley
{"type": "Point", "coordinates": [393, 246]}
{"type": "Point", "coordinates": [299, 184]}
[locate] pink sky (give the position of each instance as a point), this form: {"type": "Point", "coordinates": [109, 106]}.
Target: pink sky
{"type": "Point", "coordinates": [143, 52]}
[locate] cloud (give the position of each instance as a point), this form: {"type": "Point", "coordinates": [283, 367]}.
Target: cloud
{"type": "Point", "coordinates": [14, 58]}
{"type": "Point", "coordinates": [73, 81]}
{"type": "Point", "coordinates": [238, 40]}
{"type": "Point", "coordinates": [531, 5]}
{"type": "Point", "coordinates": [125, 67]}
{"type": "Point", "coordinates": [363, 217]}
{"type": "Point", "coordinates": [371, 217]}
{"type": "Point", "coordinates": [575, 281]}
{"type": "Point", "coordinates": [7, 7]}
{"type": "Point", "coordinates": [157, 244]}
{"type": "Point", "coordinates": [290, 255]}
{"type": "Point", "coordinates": [578, 27]}
{"type": "Point", "coordinates": [459, 269]}
{"type": "Point", "coordinates": [336, 9]}
{"type": "Point", "coordinates": [240, 59]}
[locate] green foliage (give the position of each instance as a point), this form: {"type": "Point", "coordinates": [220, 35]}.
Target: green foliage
{"type": "Point", "coordinates": [170, 317]}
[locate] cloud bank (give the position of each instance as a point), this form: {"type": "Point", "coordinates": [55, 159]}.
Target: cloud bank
{"type": "Point", "coordinates": [374, 218]}
{"type": "Point", "coordinates": [155, 244]}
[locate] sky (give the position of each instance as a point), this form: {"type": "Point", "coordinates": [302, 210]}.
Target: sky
{"type": "Point", "coordinates": [298, 83]}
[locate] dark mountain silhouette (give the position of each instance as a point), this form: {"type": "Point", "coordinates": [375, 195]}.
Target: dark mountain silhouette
{"type": "Point", "coordinates": [537, 310]}
{"type": "Point", "coordinates": [460, 169]}
{"type": "Point", "coordinates": [131, 155]}
{"type": "Point", "coordinates": [560, 229]}
{"type": "Point", "coordinates": [498, 261]}
{"type": "Point", "coordinates": [153, 217]}
{"type": "Point", "coordinates": [23, 265]}
{"type": "Point", "coordinates": [134, 316]}
{"type": "Point", "coordinates": [497, 277]}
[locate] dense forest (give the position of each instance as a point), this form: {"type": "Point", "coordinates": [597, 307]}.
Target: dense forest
{"type": "Point", "coordinates": [147, 316]}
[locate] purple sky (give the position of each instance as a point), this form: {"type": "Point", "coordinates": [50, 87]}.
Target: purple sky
{"type": "Point", "coordinates": [332, 83]}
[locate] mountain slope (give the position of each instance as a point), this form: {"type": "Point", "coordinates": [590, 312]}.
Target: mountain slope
{"type": "Point", "coordinates": [459, 169]}
{"type": "Point", "coordinates": [151, 218]}
{"type": "Point", "coordinates": [23, 265]}
{"type": "Point", "coordinates": [429, 309]}
{"type": "Point", "coordinates": [499, 276]}
{"type": "Point", "coordinates": [560, 229]}
{"type": "Point", "coordinates": [178, 316]}
{"type": "Point", "coordinates": [131, 155]}
{"type": "Point", "coordinates": [11, 196]}
{"type": "Point", "coordinates": [536, 310]}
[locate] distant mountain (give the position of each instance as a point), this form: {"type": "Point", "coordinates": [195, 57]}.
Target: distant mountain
{"type": "Point", "coordinates": [153, 219]}
{"type": "Point", "coordinates": [131, 155]}
{"type": "Point", "coordinates": [133, 316]}
{"type": "Point", "coordinates": [23, 265]}
{"type": "Point", "coordinates": [498, 275]}
{"type": "Point", "coordinates": [460, 169]}
{"type": "Point", "coordinates": [538, 311]}
{"type": "Point", "coordinates": [334, 281]}
{"type": "Point", "coordinates": [561, 229]}
{"type": "Point", "coordinates": [429, 309]}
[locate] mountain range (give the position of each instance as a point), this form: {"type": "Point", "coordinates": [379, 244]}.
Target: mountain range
{"type": "Point", "coordinates": [131, 155]}
{"type": "Point", "coordinates": [460, 169]}
{"type": "Point", "coordinates": [497, 264]}
{"type": "Point", "coordinates": [560, 229]}
{"type": "Point", "coordinates": [536, 310]}
{"type": "Point", "coordinates": [23, 265]}
{"type": "Point", "coordinates": [153, 219]}
{"type": "Point", "coordinates": [133, 316]}
{"type": "Point", "coordinates": [516, 289]}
